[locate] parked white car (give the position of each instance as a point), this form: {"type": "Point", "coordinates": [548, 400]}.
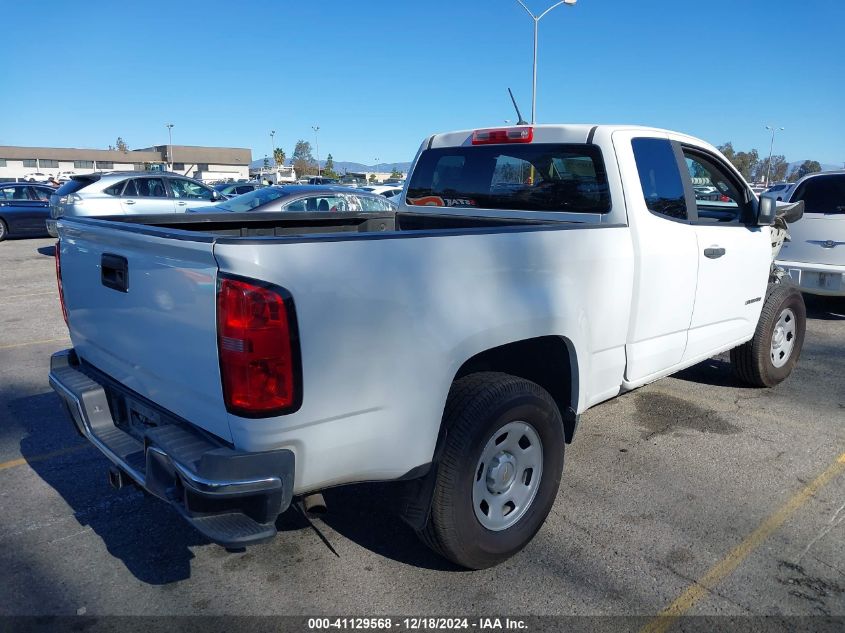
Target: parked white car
{"type": "Point", "coordinates": [64, 176]}
{"type": "Point", "coordinates": [780, 190]}
{"type": "Point", "coordinates": [530, 273]}
{"type": "Point", "coordinates": [815, 255]}
{"type": "Point", "coordinates": [388, 191]}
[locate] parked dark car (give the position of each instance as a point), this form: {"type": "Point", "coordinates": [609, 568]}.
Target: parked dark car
{"type": "Point", "coordinates": [303, 199]}
{"type": "Point", "coordinates": [232, 189]}
{"type": "Point", "coordinates": [322, 180]}
{"type": "Point", "coordinates": [24, 209]}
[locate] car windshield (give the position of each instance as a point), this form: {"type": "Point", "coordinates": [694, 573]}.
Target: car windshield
{"type": "Point", "coordinates": [251, 200]}
{"type": "Point", "coordinates": [530, 177]}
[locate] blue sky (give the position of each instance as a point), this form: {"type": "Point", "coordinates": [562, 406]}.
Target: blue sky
{"type": "Point", "coordinates": [378, 76]}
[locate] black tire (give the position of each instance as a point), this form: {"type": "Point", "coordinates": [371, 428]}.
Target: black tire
{"type": "Point", "coordinates": [4, 231]}
{"type": "Point", "coordinates": [752, 361]}
{"type": "Point", "coordinates": [478, 407]}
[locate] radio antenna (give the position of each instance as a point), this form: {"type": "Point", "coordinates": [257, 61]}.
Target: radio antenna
{"type": "Point", "coordinates": [520, 121]}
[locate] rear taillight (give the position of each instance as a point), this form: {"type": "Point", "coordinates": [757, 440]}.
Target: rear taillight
{"type": "Point", "coordinates": [57, 256]}
{"type": "Point", "coordinates": [258, 346]}
{"type": "Point", "coordinates": [504, 135]}
{"type": "Point", "coordinates": [70, 198]}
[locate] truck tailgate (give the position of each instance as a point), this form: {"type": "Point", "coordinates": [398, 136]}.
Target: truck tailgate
{"type": "Point", "coordinates": [158, 335]}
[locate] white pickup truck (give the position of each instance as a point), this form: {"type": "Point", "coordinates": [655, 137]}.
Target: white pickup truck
{"type": "Point", "coordinates": [229, 363]}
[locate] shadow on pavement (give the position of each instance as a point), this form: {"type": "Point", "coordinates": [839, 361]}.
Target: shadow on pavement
{"type": "Point", "coordinates": [825, 308]}
{"type": "Point", "coordinates": [151, 539]}
{"type": "Point", "coordinates": [368, 514]}
{"type": "Point", "coordinates": [49, 251]}
{"type": "Point", "coordinates": [712, 371]}
{"type": "Point", "coordinates": [147, 536]}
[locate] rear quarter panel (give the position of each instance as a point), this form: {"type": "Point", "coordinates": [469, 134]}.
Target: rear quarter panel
{"type": "Point", "coordinates": [385, 324]}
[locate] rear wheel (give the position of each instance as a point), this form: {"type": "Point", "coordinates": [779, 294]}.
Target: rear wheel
{"type": "Point", "coordinates": [500, 470]}
{"type": "Point", "coordinates": [769, 357]}
{"type": "Point", "coordinates": [4, 231]}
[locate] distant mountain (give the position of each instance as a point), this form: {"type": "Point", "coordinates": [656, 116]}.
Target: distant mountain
{"type": "Point", "coordinates": [345, 166]}
{"type": "Point", "coordinates": [825, 166]}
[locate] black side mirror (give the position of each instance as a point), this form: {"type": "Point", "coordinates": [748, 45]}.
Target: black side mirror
{"type": "Point", "coordinates": [215, 195]}
{"type": "Point", "coordinates": [792, 212]}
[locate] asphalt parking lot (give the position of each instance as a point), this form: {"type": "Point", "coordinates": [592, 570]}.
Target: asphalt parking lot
{"type": "Point", "coordinates": [693, 492]}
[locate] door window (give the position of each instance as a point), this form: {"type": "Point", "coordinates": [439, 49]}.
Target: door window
{"type": "Point", "coordinates": [115, 190]}
{"type": "Point", "coordinates": [189, 190]}
{"type": "Point", "coordinates": [41, 194]}
{"type": "Point", "coordinates": [149, 188]}
{"type": "Point", "coordinates": [660, 178]}
{"type": "Point", "coordinates": [131, 190]}
{"type": "Point", "coordinates": [8, 193]}
{"type": "Point", "coordinates": [373, 203]}
{"type": "Point", "coordinates": [319, 204]}
{"type": "Point", "coordinates": [718, 198]}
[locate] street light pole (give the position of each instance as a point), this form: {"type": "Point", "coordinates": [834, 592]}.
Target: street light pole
{"type": "Point", "coordinates": [273, 145]}
{"type": "Point", "coordinates": [771, 148]}
{"type": "Point", "coordinates": [537, 19]}
{"type": "Point", "coordinates": [316, 129]}
{"type": "Point", "coordinates": [169, 127]}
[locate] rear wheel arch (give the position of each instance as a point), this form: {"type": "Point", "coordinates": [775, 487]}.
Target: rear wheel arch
{"type": "Point", "coordinates": [549, 361]}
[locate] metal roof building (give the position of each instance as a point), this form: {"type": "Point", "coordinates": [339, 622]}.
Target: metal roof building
{"type": "Point", "coordinates": [204, 163]}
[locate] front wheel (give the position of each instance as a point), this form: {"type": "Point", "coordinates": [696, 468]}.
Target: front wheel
{"type": "Point", "coordinates": [4, 231]}
{"type": "Point", "coordinates": [769, 357]}
{"type": "Point", "coordinates": [500, 470]}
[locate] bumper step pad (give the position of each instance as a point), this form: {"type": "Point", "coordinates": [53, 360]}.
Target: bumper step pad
{"type": "Point", "coordinates": [232, 530]}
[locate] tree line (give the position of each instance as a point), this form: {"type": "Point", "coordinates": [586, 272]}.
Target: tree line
{"type": "Point", "coordinates": [305, 164]}
{"type": "Point", "coordinates": [755, 169]}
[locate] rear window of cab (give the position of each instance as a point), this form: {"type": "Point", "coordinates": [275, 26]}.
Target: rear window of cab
{"type": "Point", "coordinates": [524, 177]}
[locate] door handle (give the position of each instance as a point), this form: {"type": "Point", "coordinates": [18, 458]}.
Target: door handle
{"type": "Point", "coordinates": [714, 252]}
{"type": "Point", "coordinates": [182, 203]}
{"type": "Point", "coordinates": [129, 201]}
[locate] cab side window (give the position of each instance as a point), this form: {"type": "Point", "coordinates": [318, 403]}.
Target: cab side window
{"type": "Point", "coordinates": [660, 178]}
{"type": "Point", "coordinates": [718, 198]}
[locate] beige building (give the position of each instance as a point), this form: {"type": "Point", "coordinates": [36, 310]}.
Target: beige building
{"type": "Point", "coordinates": [203, 163]}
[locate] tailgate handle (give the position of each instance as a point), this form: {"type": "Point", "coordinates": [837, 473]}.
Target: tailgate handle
{"type": "Point", "coordinates": [114, 271]}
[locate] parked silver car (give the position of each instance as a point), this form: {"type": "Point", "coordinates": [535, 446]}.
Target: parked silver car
{"type": "Point", "coordinates": [128, 193]}
{"type": "Point", "coordinates": [815, 255]}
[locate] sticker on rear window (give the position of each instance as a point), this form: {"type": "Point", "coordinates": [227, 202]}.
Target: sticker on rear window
{"type": "Point", "coordinates": [437, 201]}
